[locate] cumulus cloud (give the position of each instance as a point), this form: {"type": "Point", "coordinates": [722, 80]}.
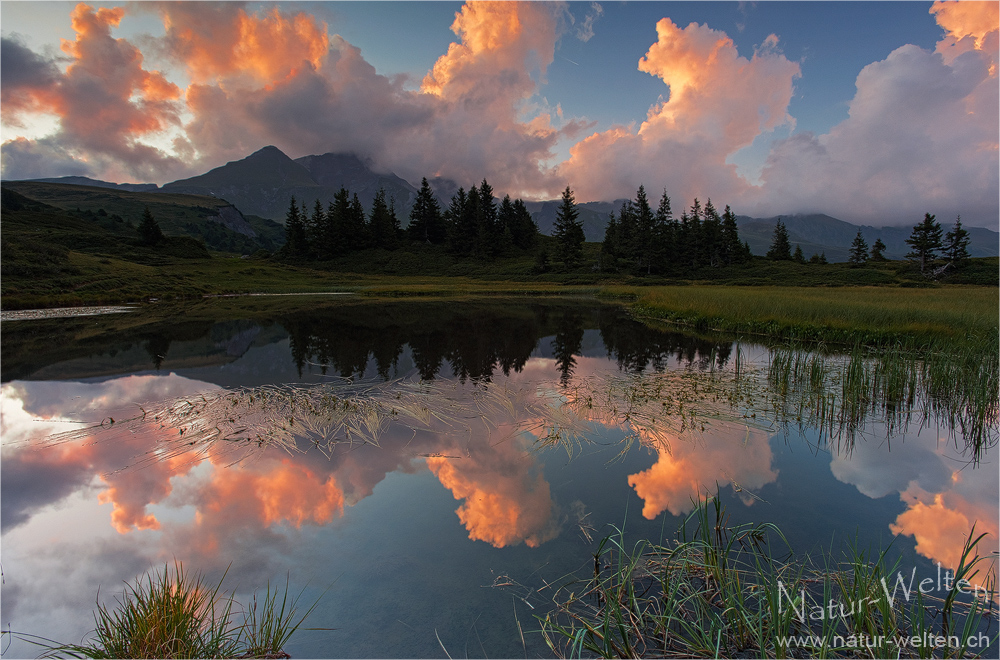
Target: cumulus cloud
{"type": "Point", "coordinates": [921, 136]}
{"type": "Point", "coordinates": [688, 471]}
{"type": "Point", "coordinates": [105, 101]}
{"type": "Point", "coordinates": [28, 80]}
{"type": "Point", "coordinates": [719, 102]}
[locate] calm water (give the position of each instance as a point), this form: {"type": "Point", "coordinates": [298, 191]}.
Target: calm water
{"type": "Point", "coordinates": [447, 531]}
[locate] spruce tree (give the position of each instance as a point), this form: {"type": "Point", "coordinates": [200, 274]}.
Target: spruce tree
{"type": "Point", "coordinates": [149, 229]}
{"type": "Point", "coordinates": [711, 233]}
{"type": "Point", "coordinates": [568, 232]}
{"type": "Point", "coordinates": [781, 248]}
{"type": "Point", "coordinates": [382, 223]}
{"type": "Point", "coordinates": [296, 244]}
{"type": "Point", "coordinates": [798, 257]}
{"type": "Point", "coordinates": [925, 240]}
{"type": "Point", "coordinates": [859, 251]}
{"type": "Point", "coordinates": [731, 247]}
{"type": "Point", "coordinates": [645, 229]}
{"type": "Point", "coordinates": [956, 245]}
{"type": "Point", "coordinates": [523, 228]}
{"type": "Point", "coordinates": [878, 250]}
{"type": "Point", "coordinates": [426, 223]}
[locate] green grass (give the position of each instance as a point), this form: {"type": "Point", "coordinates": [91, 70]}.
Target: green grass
{"type": "Point", "coordinates": [172, 614]}
{"type": "Point", "coordinates": [871, 316]}
{"type": "Point", "coordinates": [720, 591]}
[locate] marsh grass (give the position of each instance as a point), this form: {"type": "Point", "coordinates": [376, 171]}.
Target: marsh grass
{"type": "Point", "coordinates": [718, 590]}
{"type": "Point", "coordinates": [174, 614]}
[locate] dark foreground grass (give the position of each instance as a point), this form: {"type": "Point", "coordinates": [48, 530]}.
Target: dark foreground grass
{"type": "Point", "coordinates": [718, 591]}
{"type": "Point", "coordinates": [172, 614]}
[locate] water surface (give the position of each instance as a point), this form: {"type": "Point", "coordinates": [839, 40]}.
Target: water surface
{"type": "Point", "coordinates": [444, 532]}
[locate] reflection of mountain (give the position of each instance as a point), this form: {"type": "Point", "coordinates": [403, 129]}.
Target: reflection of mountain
{"type": "Point", "coordinates": [96, 346]}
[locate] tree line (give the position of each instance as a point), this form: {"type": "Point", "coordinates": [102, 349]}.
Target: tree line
{"type": "Point", "coordinates": [643, 241]}
{"type": "Point", "coordinates": [473, 225]}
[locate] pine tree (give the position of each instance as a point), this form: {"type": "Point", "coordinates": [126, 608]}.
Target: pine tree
{"type": "Point", "coordinates": [524, 231]}
{"type": "Point", "coordinates": [568, 232]}
{"type": "Point", "coordinates": [665, 236]}
{"type": "Point", "coordinates": [798, 257]}
{"type": "Point", "coordinates": [381, 223]}
{"type": "Point", "coordinates": [149, 229]}
{"type": "Point", "coordinates": [925, 240]}
{"type": "Point", "coordinates": [711, 234]}
{"type": "Point", "coordinates": [731, 246]}
{"type": "Point", "coordinates": [878, 250]}
{"type": "Point", "coordinates": [358, 234]}
{"type": "Point", "coordinates": [296, 244]}
{"type": "Point", "coordinates": [315, 230]}
{"type": "Point", "coordinates": [609, 246]}
{"type": "Point", "coordinates": [859, 251]}
{"type": "Point", "coordinates": [645, 225]}
{"type": "Point", "coordinates": [781, 248]}
{"type": "Point", "coordinates": [426, 222]}
{"type": "Point", "coordinates": [956, 245]}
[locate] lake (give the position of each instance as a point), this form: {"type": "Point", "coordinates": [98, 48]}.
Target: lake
{"type": "Point", "coordinates": [428, 469]}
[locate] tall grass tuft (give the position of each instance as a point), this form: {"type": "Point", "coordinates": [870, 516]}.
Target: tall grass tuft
{"type": "Point", "coordinates": [720, 591]}
{"type": "Point", "coordinates": [174, 614]}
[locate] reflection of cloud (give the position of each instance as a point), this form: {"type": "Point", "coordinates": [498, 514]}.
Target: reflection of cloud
{"type": "Point", "coordinates": [942, 502]}
{"type": "Point", "coordinates": [688, 471]}
{"type": "Point", "coordinates": [506, 500]}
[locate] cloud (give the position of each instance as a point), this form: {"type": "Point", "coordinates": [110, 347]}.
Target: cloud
{"type": "Point", "coordinates": [217, 41]}
{"type": "Point", "coordinates": [585, 31]}
{"type": "Point", "coordinates": [505, 498]}
{"type": "Point", "coordinates": [105, 101]}
{"type": "Point", "coordinates": [688, 471]}
{"type": "Point", "coordinates": [28, 80]}
{"type": "Point", "coordinates": [719, 102]}
{"type": "Point", "coordinates": [921, 137]}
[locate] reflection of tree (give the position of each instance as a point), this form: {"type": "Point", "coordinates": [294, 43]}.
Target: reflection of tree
{"type": "Point", "coordinates": [566, 343]}
{"type": "Point", "coordinates": [157, 347]}
{"type": "Point", "coordinates": [475, 340]}
{"type": "Point", "coordinates": [636, 346]}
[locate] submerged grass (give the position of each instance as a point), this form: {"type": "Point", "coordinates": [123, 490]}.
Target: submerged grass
{"type": "Point", "coordinates": [173, 614]}
{"type": "Point", "coordinates": [719, 591]}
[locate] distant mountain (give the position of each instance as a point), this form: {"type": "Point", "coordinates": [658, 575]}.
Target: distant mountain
{"type": "Point", "coordinates": [818, 233]}
{"type": "Point", "coordinates": [263, 183]}
{"type": "Point", "coordinates": [331, 171]}
{"type": "Point", "coordinates": [96, 183]}
{"type": "Point", "coordinates": [593, 215]}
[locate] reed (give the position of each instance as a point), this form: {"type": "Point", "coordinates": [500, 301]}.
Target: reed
{"type": "Point", "coordinates": [717, 590]}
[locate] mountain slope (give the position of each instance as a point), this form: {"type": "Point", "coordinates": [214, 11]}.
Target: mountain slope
{"type": "Point", "coordinates": [215, 221]}
{"type": "Point", "coordinates": [331, 171]}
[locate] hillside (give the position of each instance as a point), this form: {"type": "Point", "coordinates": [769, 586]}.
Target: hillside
{"type": "Point", "coordinates": [214, 221]}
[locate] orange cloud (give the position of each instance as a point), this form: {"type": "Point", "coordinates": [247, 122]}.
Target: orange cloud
{"type": "Point", "coordinates": [223, 40]}
{"type": "Point", "coordinates": [496, 38]}
{"type": "Point", "coordinates": [941, 521]}
{"type": "Point", "coordinates": [969, 26]}
{"type": "Point", "coordinates": [719, 102]}
{"type": "Point", "coordinates": [687, 471]}
{"type": "Point", "coordinates": [505, 500]}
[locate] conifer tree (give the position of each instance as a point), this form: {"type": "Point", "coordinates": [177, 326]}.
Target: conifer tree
{"type": "Point", "coordinates": [380, 223]}
{"type": "Point", "coordinates": [781, 248]}
{"type": "Point", "coordinates": [711, 233]}
{"type": "Point", "coordinates": [609, 246]}
{"type": "Point", "coordinates": [645, 231]}
{"type": "Point", "coordinates": [296, 244]}
{"type": "Point", "coordinates": [357, 228]}
{"type": "Point", "coordinates": [665, 236]}
{"type": "Point", "coordinates": [568, 232]}
{"type": "Point", "coordinates": [523, 228]}
{"type": "Point", "coordinates": [149, 229]}
{"type": "Point", "coordinates": [925, 241]}
{"type": "Point", "coordinates": [878, 250]}
{"type": "Point", "coordinates": [426, 222]}
{"type": "Point", "coordinates": [859, 251]}
{"type": "Point", "coordinates": [798, 257]}
{"type": "Point", "coordinates": [732, 248]}
{"type": "Point", "coordinates": [956, 245]}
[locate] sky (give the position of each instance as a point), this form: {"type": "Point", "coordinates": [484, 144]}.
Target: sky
{"type": "Point", "coordinates": [872, 112]}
